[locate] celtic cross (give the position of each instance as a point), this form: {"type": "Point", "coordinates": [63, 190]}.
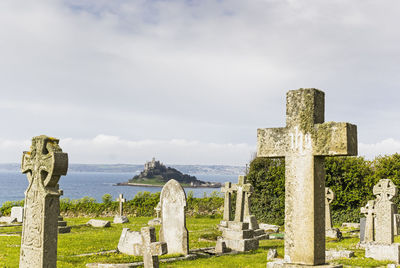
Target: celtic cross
{"type": "Point", "coordinates": [385, 190]}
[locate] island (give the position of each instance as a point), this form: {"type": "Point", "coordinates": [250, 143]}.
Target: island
{"type": "Point", "coordinates": [156, 174]}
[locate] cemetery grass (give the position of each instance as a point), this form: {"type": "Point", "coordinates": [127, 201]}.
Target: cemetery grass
{"type": "Point", "coordinates": [202, 230]}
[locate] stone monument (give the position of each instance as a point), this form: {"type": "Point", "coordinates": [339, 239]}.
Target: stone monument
{"type": "Point", "coordinates": [383, 246]}
{"type": "Point", "coordinates": [367, 232]}
{"type": "Point", "coordinates": [236, 234]}
{"type": "Point", "coordinates": [157, 219]}
{"type": "Point", "coordinates": [150, 248]}
{"type": "Point", "coordinates": [121, 218]}
{"type": "Point", "coordinates": [43, 164]}
{"type": "Point", "coordinates": [329, 230]}
{"type": "Point", "coordinates": [173, 228]}
{"type": "Point", "coordinates": [304, 142]}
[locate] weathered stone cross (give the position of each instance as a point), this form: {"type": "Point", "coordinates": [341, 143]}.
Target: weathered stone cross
{"type": "Point", "coordinates": [329, 197]}
{"type": "Point", "coordinates": [304, 142]}
{"type": "Point", "coordinates": [228, 190]}
{"type": "Point", "coordinates": [150, 248]}
{"type": "Point", "coordinates": [158, 209]}
{"type": "Point", "coordinates": [385, 190]}
{"type": "Point", "coordinates": [44, 164]}
{"type": "Point", "coordinates": [121, 201]}
{"type": "Point", "coordinates": [242, 189]}
{"type": "Point", "coordinates": [369, 211]}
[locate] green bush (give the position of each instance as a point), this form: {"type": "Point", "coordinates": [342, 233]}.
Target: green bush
{"type": "Point", "coordinates": [107, 198]}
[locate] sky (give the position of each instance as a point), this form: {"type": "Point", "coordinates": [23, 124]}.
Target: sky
{"type": "Point", "coordinates": [189, 82]}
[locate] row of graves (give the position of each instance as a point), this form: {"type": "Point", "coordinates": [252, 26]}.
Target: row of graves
{"type": "Point", "coordinates": [304, 143]}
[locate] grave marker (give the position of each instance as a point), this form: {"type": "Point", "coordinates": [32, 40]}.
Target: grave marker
{"type": "Point", "coordinates": [304, 143]}
{"type": "Point", "coordinates": [150, 248]}
{"type": "Point", "coordinates": [44, 164]}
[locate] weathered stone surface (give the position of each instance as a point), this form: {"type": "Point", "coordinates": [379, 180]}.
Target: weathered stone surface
{"type": "Point", "coordinates": [272, 254]}
{"type": "Point", "coordinates": [329, 197]}
{"type": "Point", "coordinates": [220, 247]}
{"type": "Point", "coordinates": [385, 190]}
{"type": "Point", "coordinates": [242, 244]}
{"type": "Point", "coordinates": [18, 213]}
{"type": "Point", "coordinates": [338, 254]}
{"type": "Point", "coordinates": [44, 164]}
{"type": "Point", "coordinates": [333, 233]}
{"type": "Point", "coordinates": [304, 142]}
{"type": "Point", "coordinates": [396, 222]}
{"type": "Point", "coordinates": [269, 228]}
{"type": "Point", "coordinates": [173, 229]}
{"type": "Point", "coordinates": [383, 252]}
{"type": "Point", "coordinates": [363, 222]}
{"type": "Point", "coordinates": [98, 223]}
{"type": "Point", "coordinates": [8, 220]}
{"type": "Point", "coordinates": [130, 242]}
{"type": "Point", "coordinates": [228, 190]}
{"type": "Point", "coordinates": [369, 230]}
{"type": "Point", "coordinates": [120, 219]}
{"type": "Point", "coordinates": [351, 225]}
{"type": "Point", "coordinates": [157, 219]}
{"type": "Point", "coordinates": [150, 248]}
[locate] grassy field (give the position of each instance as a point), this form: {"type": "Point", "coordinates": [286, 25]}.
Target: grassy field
{"type": "Point", "coordinates": [86, 239]}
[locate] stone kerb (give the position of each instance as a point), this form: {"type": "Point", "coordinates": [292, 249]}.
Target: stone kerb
{"type": "Point", "coordinates": [173, 229]}
{"type": "Point", "coordinates": [44, 164]}
{"type": "Point", "coordinates": [380, 219]}
{"type": "Point", "coordinates": [304, 143]}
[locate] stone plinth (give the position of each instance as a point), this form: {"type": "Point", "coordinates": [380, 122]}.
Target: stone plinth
{"type": "Point", "coordinates": [237, 236]}
{"type": "Point", "coordinates": [62, 226]}
{"type": "Point", "coordinates": [383, 252]}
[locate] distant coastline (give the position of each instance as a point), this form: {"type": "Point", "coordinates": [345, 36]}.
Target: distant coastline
{"type": "Point", "coordinates": [214, 185]}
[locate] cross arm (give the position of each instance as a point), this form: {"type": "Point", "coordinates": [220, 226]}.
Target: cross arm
{"type": "Point", "coordinates": [272, 142]}
{"type": "Point", "coordinates": [335, 139]}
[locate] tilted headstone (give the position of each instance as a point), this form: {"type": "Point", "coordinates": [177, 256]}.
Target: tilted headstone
{"type": "Point", "coordinates": [18, 213]}
{"type": "Point", "coordinates": [383, 248]}
{"type": "Point", "coordinates": [304, 142]}
{"type": "Point", "coordinates": [150, 248]}
{"type": "Point", "coordinates": [173, 229]}
{"type": "Point", "coordinates": [43, 164]}
{"type": "Point", "coordinates": [130, 242]}
{"type": "Point", "coordinates": [121, 218]}
{"type": "Point", "coordinates": [329, 230]}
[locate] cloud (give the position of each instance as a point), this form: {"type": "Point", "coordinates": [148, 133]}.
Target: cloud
{"type": "Point", "coordinates": [113, 149]}
{"type": "Point", "coordinates": [385, 147]}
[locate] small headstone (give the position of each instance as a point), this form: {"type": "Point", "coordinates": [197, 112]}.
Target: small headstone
{"type": "Point", "coordinates": [396, 223]}
{"type": "Point", "coordinates": [173, 230]}
{"type": "Point", "coordinates": [130, 242]}
{"type": "Point", "coordinates": [157, 219]}
{"type": "Point", "coordinates": [8, 220]}
{"type": "Point", "coordinates": [18, 213]}
{"type": "Point", "coordinates": [150, 248]}
{"type": "Point", "coordinates": [272, 254]}
{"type": "Point", "coordinates": [121, 218]}
{"type": "Point", "coordinates": [369, 230]}
{"type": "Point", "coordinates": [98, 223]}
{"type": "Point", "coordinates": [44, 164]}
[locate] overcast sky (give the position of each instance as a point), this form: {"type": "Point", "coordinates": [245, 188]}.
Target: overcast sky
{"type": "Point", "coordinates": [189, 82]}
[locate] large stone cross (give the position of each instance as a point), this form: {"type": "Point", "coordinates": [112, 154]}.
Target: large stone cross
{"type": "Point", "coordinates": [150, 248]}
{"type": "Point", "coordinates": [304, 142]}
{"type": "Point", "coordinates": [44, 164]}
{"type": "Point", "coordinates": [384, 190]}
{"type": "Point", "coordinates": [121, 201]}
{"type": "Point", "coordinates": [369, 212]}
{"type": "Point", "coordinates": [228, 190]}
{"type": "Point", "coordinates": [243, 189]}
{"type": "Point", "coordinates": [329, 197]}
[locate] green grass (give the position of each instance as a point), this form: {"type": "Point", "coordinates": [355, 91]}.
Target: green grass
{"type": "Point", "coordinates": [84, 239]}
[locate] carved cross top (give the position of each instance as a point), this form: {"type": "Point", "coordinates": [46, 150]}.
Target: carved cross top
{"type": "Point", "coordinates": [329, 195]}
{"type": "Point", "coordinates": [242, 189]}
{"type": "Point", "coordinates": [369, 209]}
{"type": "Point", "coordinates": [385, 190]}
{"type": "Point", "coordinates": [44, 161]}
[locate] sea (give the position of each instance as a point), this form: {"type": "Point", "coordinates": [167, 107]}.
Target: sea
{"type": "Point", "coordinates": [95, 184]}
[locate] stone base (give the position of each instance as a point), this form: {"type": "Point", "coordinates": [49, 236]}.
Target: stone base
{"type": "Point", "coordinates": [120, 219]}
{"type": "Point", "coordinates": [64, 229]}
{"type": "Point", "coordinates": [154, 222]}
{"type": "Point", "coordinates": [383, 252]}
{"type": "Point", "coordinates": [242, 244]}
{"type": "Point", "coordinates": [338, 254]}
{"type": "Point", "coordinates": [333, 233]}
{"type": "Point", "coordinates": [282, 264]}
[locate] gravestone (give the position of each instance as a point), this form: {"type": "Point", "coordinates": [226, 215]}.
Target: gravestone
{"type": "Point", "coordinates": [121, 218]}
{"type": "Point", "coordinates": [99, 223]}
{"type": "Point", "coordinates": [362, 229]}
{"type": "Point", "coordinates": [130, 242]}
{"type": "Point", "coordinates": [367, 235]}
{"type": "Point", "coordinates": [44, 164]}
{"type": "Point", "coordinates": [18, 213]}
{"type": "Point", "coordinates": [228, 190]}
{"type": "Point", "coordinates": [329, 230]}
{"type": "Point", "coordinates": [150, 248]}
{"type": "Point", "coordinates": [157, 219]}
{"type": "Point", "coordinates": [236, 234]}
{"type": "Point", "coordinates": [173, 229]}
{"type": "Point", "coordinates": [304, 142]}
{"type": "Point", "coordinates": [396, 223]}
{"type": "Point", "coordinates": [383, 246]}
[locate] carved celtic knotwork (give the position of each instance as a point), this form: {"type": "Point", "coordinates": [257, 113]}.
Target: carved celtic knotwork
{"type": "Point", "coordinates": [385, 190]}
